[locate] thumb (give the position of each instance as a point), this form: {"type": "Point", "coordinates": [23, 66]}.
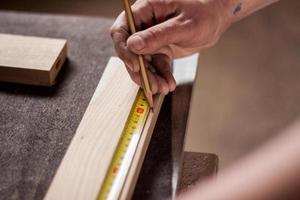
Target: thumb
{"type": "Point", "coordinates": [149, 41]}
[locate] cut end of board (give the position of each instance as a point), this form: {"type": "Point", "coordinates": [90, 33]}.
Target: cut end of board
{"type": "Point", "coordinates": [31, 60]}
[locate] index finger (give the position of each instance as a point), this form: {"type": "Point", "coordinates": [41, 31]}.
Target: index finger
{"type": "Point", "coordinates": [119, 34]}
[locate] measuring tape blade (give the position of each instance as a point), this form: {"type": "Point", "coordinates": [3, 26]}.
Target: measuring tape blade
{"type": "Point", "coordinates": [124, 153]}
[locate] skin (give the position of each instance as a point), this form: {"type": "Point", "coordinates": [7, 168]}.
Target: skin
{"type": "Point", "coordinates": [272, 172]}
{"type": "Point", "coordinates": [169, 29]}
{"type": "Point", "coordinates": [173, 28]}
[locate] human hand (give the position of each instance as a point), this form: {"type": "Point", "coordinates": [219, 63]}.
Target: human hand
{"type": "Point", "coordinates": [167, 29]}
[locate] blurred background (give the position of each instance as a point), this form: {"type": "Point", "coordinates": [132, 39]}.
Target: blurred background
{"type": "Point", "coordinates": [109, 8]}
{"type": "Point", "coordinates": [248, 85]}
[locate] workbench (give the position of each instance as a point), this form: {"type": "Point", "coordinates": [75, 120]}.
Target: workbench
{"type": "Point", "coordinates": [38, 123]}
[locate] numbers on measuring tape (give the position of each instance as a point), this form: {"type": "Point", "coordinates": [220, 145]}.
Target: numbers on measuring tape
{"type": "Point", "coordinates": [133, 127]}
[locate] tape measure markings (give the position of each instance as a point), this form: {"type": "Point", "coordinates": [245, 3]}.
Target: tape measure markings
{"type": "Point", "coordinates": [124, 153]}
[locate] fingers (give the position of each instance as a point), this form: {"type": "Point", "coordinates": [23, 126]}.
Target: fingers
{"type": "Point", "coordinates": [150, 12]}
{"type": "Point", "coordinates": [143, 15]}
{"type": "Point", "coordinates": [147, 13]}
{"type": "Point", "coordinates": [151, 40]}
{"type": "Point", "coordinates": [154, 82]}
{"type": "Point", "coordinates": [119, 35]}
{"type": "Point", "coordinates": [159, 74]}
{"type": "Point", "coordinates": [163, 68]}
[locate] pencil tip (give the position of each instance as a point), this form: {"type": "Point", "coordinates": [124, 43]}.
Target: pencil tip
{"type": "Point", "coordinates": [150, 100]}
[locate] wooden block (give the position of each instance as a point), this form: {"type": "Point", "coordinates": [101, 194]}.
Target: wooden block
{"type": "Point", "coordinates": [31, 60]}
{"type": "Point", "coordinates": [84, 166]}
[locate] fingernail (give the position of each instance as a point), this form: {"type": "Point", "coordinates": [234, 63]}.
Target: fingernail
{"type": "Point", "coordinates": [137, 42]}
{"type": "Point", "coordinates": [172, 87]}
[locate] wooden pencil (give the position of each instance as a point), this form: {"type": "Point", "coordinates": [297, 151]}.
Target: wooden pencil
{"type": "Point", "coordinates": [143, 72]}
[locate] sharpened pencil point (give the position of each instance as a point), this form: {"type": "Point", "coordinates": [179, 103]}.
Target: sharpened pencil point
{"type": "Point", "coordinates": [150, 99]}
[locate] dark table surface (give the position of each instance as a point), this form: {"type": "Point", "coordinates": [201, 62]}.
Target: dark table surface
{"type": "Point", "coordinates": [38, 123]}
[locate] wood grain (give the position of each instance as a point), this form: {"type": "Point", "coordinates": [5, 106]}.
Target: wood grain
{"type": "Point", "coordinates": [31, 60]}
{"type": "Point", "coordinates": [83, 169]}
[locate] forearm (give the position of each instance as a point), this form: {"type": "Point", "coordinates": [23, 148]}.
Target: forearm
{"type": "Point", "coordinates": [271, 173]}
{"type": "Point", "coordinates": [238, 9]}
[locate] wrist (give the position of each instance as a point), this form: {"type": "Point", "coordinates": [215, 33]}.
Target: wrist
{"type": "Point", "coordinates": [221, 10]}
{"type": "Point", "coordinates": [224, 10]}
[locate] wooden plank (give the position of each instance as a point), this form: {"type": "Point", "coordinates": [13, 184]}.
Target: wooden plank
{"type": "Point", "coordinates": [31, 60]}
{"type": "Point", "coordinates": [183, 77]}
{"type": "Point", "coordinates": [83, 169]}
{"type": "Point", "coordinates": [136, 165]}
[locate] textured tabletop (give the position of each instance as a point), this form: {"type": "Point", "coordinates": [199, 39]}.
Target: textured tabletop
{"type": "Point", "coordinates": [38, 123]}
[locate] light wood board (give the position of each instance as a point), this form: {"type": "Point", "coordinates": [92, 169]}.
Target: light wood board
{"type": "Point", "coordinates": [31, 60]}
{"type": "Point", "coordinates": [85, 164]}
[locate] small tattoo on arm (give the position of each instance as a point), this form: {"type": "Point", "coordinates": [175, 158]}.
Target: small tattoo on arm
{"type": "Point", "coordinates": [238, 8]}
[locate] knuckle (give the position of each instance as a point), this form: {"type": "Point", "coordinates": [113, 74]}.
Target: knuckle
{"type": "Point", "coordinates": [158, 32]}
{"type": "Point", "coordinates": [119, 26]}
{"type": "Point", "coordinates": [123, 56]}
{"type": "Point", "coordinates": [126, 59]}
{"type": "Point", "coordinates": [170, 4]}
{"type": "Point", "coordinates": [154, 37]}
{"type": "Point", "coordinates": [113, 30]}
{"type": "Point", "coordinates": [165, 89]}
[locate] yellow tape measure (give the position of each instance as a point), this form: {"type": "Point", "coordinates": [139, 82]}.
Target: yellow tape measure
{"type": "Point", "coordinates": [123, 156]}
